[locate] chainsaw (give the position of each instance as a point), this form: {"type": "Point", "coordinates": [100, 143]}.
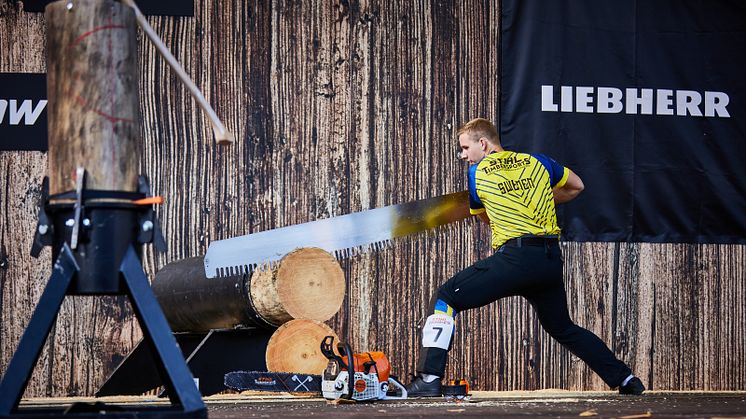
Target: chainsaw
{"type": "Point", "coordinates": [371, 379]}
{"type": "Point", "coordinates": [343, 236]}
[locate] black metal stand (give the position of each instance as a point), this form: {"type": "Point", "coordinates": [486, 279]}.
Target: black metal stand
{"type": "Point", "coordinates": [177, 379]}
{"type": "Point", "coordinates": [209, 356]}
{"type": "Point", "coordinates": [23, 361]}
{"type": "Point", "coordinates": [95, 243]}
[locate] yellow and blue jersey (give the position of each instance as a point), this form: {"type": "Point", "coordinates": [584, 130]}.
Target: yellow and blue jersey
{"type": "Point", "coordinates": [516, 191]}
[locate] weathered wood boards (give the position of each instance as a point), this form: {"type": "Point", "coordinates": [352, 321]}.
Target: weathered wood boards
{"type": "Point", "coordinates": [339, 108]}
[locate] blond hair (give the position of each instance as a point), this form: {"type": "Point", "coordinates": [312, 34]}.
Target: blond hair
{"type": "Point", "coordinates": [478, 128]}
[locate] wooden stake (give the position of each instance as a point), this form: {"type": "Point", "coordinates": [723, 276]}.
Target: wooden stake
{"type": "Point", "coordinates": [92, 88]}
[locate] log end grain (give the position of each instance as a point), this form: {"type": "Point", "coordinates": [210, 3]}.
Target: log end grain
{"type": "Point", "coordinates": [310, 284]}
{"type": "Point", "coordinates": [296, 347]}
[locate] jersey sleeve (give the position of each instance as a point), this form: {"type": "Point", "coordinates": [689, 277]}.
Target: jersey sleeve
{"type": "Point", "coordinates": [475, 204]}
{"type": "Point", "coordinates": [558, 174]}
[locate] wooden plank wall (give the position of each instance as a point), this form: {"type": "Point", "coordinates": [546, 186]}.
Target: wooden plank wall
{"type": "Point", "coordinates": [339, 107]}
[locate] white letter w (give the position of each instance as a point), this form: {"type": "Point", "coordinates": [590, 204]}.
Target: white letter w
{"type": "Point", "coordinates": [24, 111]}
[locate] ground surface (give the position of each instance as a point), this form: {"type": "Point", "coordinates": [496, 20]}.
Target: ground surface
{"type": "Point", "coordinates": [535, 404]}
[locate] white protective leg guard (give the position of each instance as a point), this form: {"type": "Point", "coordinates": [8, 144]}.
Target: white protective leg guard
{"type": "Point", "coordinates": [437, 331]}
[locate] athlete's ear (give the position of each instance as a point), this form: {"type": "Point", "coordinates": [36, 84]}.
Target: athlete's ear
{"type": "Point", "coordinates": [483, 143]}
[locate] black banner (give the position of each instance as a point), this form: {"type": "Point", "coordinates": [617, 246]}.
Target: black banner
{"type": "Point", "coordinates": [23, 111]}
{"type": "Point", "coordinates": [148, 8]}
{"type": "Point", "coordinates": [645, 100]}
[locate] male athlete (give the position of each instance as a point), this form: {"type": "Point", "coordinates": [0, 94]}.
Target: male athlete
{"type": "Point", "coordinates": [515, 193]}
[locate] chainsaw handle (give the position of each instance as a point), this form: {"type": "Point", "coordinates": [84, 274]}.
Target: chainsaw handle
{"type": "Point", "coordinates": [347, 350]}
{"type": "Point", "coordinates": [326, 347]}
{"type": "Point", "coordinates": [344, 349]}
{"type": "Point", "coordinates": [328, 351]}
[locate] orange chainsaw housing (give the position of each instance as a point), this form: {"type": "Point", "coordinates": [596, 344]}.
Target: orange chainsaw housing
{"type": "Point", "coordinates": [382, 365]}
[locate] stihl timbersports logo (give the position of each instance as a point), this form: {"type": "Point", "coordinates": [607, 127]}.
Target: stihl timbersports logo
{"type": "Point", "coordinates": [265, 381]}
{"type": "Point", "coordinates": [634, 101]}
{"type": "Point", "coordinates": [510, 163]}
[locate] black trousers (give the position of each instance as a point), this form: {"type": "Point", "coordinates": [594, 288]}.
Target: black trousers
{"type": "Point", "coordinates": [535, 273]}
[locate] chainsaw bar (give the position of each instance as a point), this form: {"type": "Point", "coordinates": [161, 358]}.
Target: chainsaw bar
{"type": "Point", "coordinates": [273, 381]}
{"type": "Point", "coordinates": [343, 236]}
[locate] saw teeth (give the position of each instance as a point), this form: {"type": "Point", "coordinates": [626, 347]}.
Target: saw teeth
{"type": "Point", "coordinates": [339, 254]}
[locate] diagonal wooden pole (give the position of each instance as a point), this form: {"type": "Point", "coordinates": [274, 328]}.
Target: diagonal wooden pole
{"type": "Point", "coordinates": [222, 135]}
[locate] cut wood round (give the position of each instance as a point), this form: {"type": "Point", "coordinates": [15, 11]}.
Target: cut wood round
{"type": "Point", "coordinates": [308, 283]}
{"type": "Point", "coordinates": [296, 347]}
{"type": "Point", "coordinates": [92, 88]}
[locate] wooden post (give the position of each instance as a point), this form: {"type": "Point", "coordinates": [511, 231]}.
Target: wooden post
{"type": "Point", "coordinates": [92, 88]}
{"type": "Point", "coordinates": [296, 347]}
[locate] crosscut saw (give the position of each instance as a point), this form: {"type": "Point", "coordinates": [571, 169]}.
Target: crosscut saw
{"type": "Point", "coordinates": [342, 236]}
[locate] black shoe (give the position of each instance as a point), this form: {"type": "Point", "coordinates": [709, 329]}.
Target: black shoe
{"type": "Point", "coordinates": [634, 387]}
{"type": "Point", "coordinates": [419, 388]}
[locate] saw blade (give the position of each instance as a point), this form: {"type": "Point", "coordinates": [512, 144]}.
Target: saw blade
{"type": "Point", "coordinates": [342, 236]}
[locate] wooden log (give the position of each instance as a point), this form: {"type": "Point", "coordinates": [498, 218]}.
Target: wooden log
{"type": "Point", "coordinates": [308, 283]}
{"type": "Point", "coordinates": [296, 347]}
{"type": "Point", "coordinates": [92, 88]}
{"type": "Point", "coordinates": [192, 302]}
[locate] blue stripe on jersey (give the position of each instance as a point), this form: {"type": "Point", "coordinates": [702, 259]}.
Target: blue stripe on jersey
{"type": "Point", "coordinates": [474, 201]}
{"type": "Point", "coordinates": [556, 171]}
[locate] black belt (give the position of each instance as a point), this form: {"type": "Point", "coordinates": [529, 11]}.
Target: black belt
{"type": "Point", "coordinates": [531, 241]}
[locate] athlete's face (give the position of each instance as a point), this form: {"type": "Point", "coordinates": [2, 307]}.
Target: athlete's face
{"type": "Point", "coordinates": [472, 149]}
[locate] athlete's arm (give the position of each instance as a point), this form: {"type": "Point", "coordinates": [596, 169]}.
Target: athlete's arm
{"type": "Point", "coordinates": [569, 190]}
{"type": "Point", "coordinates": [484, 217]}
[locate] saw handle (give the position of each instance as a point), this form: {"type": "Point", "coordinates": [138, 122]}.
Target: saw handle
{"type": "Point", "coordinates": [328, 351]}
{"type": "Point", "coordinates": [327, 345]}
{"type": "Point", "coordinates": [347, 350]}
